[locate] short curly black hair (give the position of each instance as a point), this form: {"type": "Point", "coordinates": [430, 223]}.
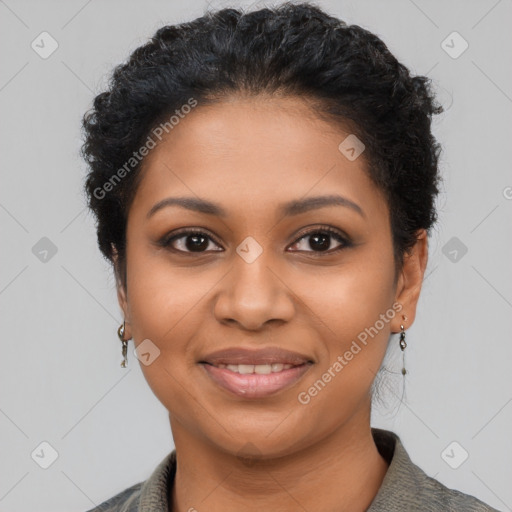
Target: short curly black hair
{"type": "Point", "coordinates": [291, 49]}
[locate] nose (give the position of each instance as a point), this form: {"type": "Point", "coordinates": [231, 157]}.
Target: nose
{"type": "Point", "coordinates": [254, 294]}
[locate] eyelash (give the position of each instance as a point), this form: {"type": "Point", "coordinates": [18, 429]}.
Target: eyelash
{"type": "Point", "coordinates": [344, 240]}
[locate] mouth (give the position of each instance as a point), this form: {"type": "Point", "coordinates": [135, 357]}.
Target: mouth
{"type": "Point", "coordinates": [255, 373]}
{"type": "Point", "coordinates": [260, 369]}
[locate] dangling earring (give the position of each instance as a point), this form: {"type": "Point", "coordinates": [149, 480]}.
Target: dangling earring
{"type": "Point", "coordinates": [120, 333]}
{"type": "Point", "coordinates": [403, 345]}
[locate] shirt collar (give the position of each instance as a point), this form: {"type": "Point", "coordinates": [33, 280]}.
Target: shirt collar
{"type": "Point", "coordinates": [402, 476]}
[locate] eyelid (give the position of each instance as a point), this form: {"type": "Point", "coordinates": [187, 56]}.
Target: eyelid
{"type": "Point", "coordinates": [309, 230]}
{"type": "Point", "coordinates": [340, 235]}
{"type": "Point", "coordinates": [166, 241]}
{"type": "Point", "coordinates": [343, 238]}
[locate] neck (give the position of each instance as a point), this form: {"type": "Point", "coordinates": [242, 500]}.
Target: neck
{"type": "Point", "coordinates": [343, 471]}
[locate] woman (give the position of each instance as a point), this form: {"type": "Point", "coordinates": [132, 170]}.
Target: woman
{"type": "Point", "coordinates": [264, 186]}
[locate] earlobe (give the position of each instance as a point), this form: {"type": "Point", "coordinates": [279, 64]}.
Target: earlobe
{"type": "Point", "coordinates": [411, 280]}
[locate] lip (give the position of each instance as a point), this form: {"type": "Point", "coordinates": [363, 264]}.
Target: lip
{"type": "Point", "coordinates": [268, 355]}
{"type": "Point", "coordinates": [255, 385]}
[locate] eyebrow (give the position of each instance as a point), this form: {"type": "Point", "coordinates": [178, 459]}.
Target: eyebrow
{"type": "Point", "coordinates": [288, 209]}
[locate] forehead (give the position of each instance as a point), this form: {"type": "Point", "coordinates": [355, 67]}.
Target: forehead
{"type": "Point", "coordinates": [254, 153]}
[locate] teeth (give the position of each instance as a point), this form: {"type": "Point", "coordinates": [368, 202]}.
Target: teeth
{"type": "Point", "coordinates": [261, 369]}
{"type": "Point", "coordinates": [245, 368]}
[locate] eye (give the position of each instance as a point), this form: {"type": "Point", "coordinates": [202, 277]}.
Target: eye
{"type": "Point", "coordinates": [189, 241]}
{"type": "Point", "coordinates": [197, 241]}
{"type": "Point", "coordinates": [320, 240]}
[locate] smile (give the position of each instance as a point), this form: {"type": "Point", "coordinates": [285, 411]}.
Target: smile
{"type": "Point", "coordinates": [260, 369]}
{"type": "Point", "coordinates": [255, 381]}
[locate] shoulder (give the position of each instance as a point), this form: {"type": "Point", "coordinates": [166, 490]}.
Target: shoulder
{"type": "Point", "coordinates": [406, 487]}
{"type": "Point", "coordinates": [125, 501]}
{"type": "Point", "coordinates": [151, 494]}
{"type": "Point", "coordinates": [443, 498]}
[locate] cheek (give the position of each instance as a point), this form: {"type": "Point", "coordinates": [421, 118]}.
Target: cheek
{"type": "Point", "coordinates": [162, 296]}
{"type": "Point", "coordinates": [352, 310]}
{"type": "Point", "coordinates": [165, 304]}
{"type": "Point", "coordinates": [351, 297]}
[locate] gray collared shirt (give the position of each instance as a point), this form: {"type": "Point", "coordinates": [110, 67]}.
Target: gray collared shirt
{"type": "Point", "coordinates": [405, 488]}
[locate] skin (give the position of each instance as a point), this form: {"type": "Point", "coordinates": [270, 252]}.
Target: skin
{"type": "Point", "coordinates": [250, 155]}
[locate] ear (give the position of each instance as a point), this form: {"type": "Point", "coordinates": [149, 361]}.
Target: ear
{"type": "Point", "coordinates": [410, 281]}
{"type": "Point", "coordinates": [122, 296]}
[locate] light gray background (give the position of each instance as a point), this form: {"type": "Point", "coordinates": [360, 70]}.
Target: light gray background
{"type": "Point", "coordinates": [61, 380]}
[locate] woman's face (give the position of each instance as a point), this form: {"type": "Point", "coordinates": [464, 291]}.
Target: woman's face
{"type": "Point", "coordinates": [262, 274]}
